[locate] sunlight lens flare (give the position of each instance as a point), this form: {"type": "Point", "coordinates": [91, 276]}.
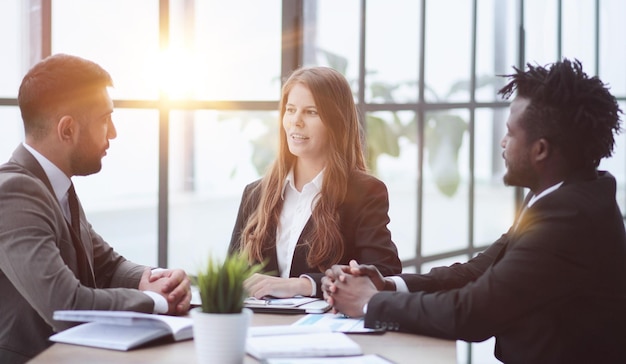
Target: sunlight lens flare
{"type": "Point", "coordinates": [176, 73]}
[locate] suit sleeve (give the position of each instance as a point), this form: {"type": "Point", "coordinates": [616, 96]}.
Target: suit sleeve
{"type": "Point", "coordinates": [112, 270]}
{"type": "Point", "coordinates": [364, 222]}
{"type": "Point", "coordinates": [542, 266]}
{"type": "Point", "coordinates": [457, 275]}
{"type": "Point", "coordinates": [368, 240]}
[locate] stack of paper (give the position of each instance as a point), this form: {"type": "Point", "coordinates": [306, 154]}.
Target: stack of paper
{"type": "Point", "coordinates": [361, 359]}
{"type": "Point", "coordinates": [300, 343]}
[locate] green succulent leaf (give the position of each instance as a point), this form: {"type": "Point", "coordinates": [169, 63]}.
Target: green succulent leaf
{"type": "Point", "coordinates": [221, 284]}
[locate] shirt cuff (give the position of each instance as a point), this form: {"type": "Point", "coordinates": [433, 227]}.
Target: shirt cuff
{"type": "Point", "coordinates": [400, 284]}
{"type": "Point", "coordinates": [160, 303]}
{"type": "Point", "coordinates": [156, 270]}
{"type": "Point", "coordinates": [313, 284]}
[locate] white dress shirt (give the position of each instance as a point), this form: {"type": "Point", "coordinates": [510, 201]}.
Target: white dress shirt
{"type": "Point", "coordinates": [297, 209]}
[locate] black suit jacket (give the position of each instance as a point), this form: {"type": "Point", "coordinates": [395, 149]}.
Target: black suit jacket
{"type": "Point", "coordinates": [551, 291]}
{"type": "Point", "coordinates": [363, 220]}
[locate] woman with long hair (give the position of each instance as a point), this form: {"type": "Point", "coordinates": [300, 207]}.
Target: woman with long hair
{"type": "Point", "coordinates": [317, 205]}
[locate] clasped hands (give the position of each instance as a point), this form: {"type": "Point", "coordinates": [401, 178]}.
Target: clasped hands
{"type": "Point", "coordinates": [347, 288]}
{"type": "Point", "coordinates": [173, 284]}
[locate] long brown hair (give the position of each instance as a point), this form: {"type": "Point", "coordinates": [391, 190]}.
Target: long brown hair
{"type": "Point", "coordinates": [335, 105]}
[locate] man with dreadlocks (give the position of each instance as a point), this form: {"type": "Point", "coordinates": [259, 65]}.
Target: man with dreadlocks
{"type": "Point", "coordinates": [553, 288]}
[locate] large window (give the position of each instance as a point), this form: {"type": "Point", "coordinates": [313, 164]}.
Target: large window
{"type": "Point", "coordinates": [197, 84]}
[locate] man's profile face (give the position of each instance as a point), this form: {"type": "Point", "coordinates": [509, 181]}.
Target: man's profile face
{"type": "Point", "coordinates": [95, 130]}
{"type": "Point", "coordinates": [516, 147]}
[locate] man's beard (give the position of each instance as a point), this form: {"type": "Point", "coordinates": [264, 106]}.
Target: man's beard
{"type": "Point", "coordinates": [518, 177]}
{"type": "Point", "coordinates": [83, 165]}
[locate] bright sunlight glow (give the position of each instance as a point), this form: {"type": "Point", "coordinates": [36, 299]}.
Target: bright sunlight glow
{"type": "Point", "coordinates": [175, 73]}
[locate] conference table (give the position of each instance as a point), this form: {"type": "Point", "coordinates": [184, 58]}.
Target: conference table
{"type": "Point", "coordinates": [397, 347]}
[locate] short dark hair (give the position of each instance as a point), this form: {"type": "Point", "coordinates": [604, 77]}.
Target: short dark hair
{"type": "Point", "coordinates": [576, 113]}
{"type": "Point", "coordinates": [57, 80]}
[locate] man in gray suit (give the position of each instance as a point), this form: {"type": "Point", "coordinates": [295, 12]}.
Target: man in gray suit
{"type": "Point", "coordinates": [50, 256]}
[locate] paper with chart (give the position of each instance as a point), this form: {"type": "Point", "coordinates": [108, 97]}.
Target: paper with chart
{"type": "Point", "coordinates": [335, 323]}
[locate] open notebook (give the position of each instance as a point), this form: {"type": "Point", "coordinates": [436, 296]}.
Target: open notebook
{"type": "Point", "coordinates": [121, 330]}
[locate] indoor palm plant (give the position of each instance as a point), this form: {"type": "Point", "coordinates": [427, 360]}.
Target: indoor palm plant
{"type": "Point", "coordinates": [221, 322]}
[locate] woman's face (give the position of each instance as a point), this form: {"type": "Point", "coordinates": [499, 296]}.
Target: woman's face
{"type": "Point", "coordinates": [307, 136]}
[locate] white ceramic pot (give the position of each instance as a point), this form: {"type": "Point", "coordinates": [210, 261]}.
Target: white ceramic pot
{"type": "Point", "coordinates": [220, 337]}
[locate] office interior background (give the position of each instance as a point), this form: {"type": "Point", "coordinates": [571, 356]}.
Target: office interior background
{"type": "Point", "coordinates": [197, 84]}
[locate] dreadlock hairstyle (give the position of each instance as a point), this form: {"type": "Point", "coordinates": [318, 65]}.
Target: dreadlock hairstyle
{"type": "Point", "coordinates": [335, 105]}
{"type": "Point", "coordinates": [574, 112]}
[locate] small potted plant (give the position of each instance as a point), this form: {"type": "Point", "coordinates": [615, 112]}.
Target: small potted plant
{"type": "Point", "coordinates": [220, 325]}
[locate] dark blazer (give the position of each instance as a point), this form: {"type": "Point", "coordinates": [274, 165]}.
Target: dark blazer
{"type": "Point", "coordinates": [39, 270]}
{"type": "Point", "coordinates": [551, 291]}
{"type": "Point", "coordinates": [363, 220]}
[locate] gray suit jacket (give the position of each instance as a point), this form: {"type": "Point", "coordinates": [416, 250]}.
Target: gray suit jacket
{"type": "Point", "coordinates": [38, 264]}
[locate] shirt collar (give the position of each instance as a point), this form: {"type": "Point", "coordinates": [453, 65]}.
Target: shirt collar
{"type": "Point", "coordinates": [545, 192]}
{"type": "Point", "coordinates": [289, 181]}
{"type": "Point", "coordinates": [58, 180]}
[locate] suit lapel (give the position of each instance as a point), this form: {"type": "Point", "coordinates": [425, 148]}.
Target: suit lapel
{"type": "Point", "coordinates": [299, 264]}
{"type": "Point", "coordinates": [24, 158]}
{"type": "Point", "coordinates": [516, 228]}
{"type": "Point", "coordinates": [272, 262]}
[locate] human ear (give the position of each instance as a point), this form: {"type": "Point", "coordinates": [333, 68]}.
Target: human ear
{"type": "Point", "coordinates": [66, 128]}
{"type": "Point", "coordinates": [541, 149]}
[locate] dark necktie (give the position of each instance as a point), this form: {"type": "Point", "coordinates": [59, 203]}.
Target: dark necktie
{"type": "Point", "coordinates": [84, 268]}
{"type": "Point", "coordinates": [72, 200]}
